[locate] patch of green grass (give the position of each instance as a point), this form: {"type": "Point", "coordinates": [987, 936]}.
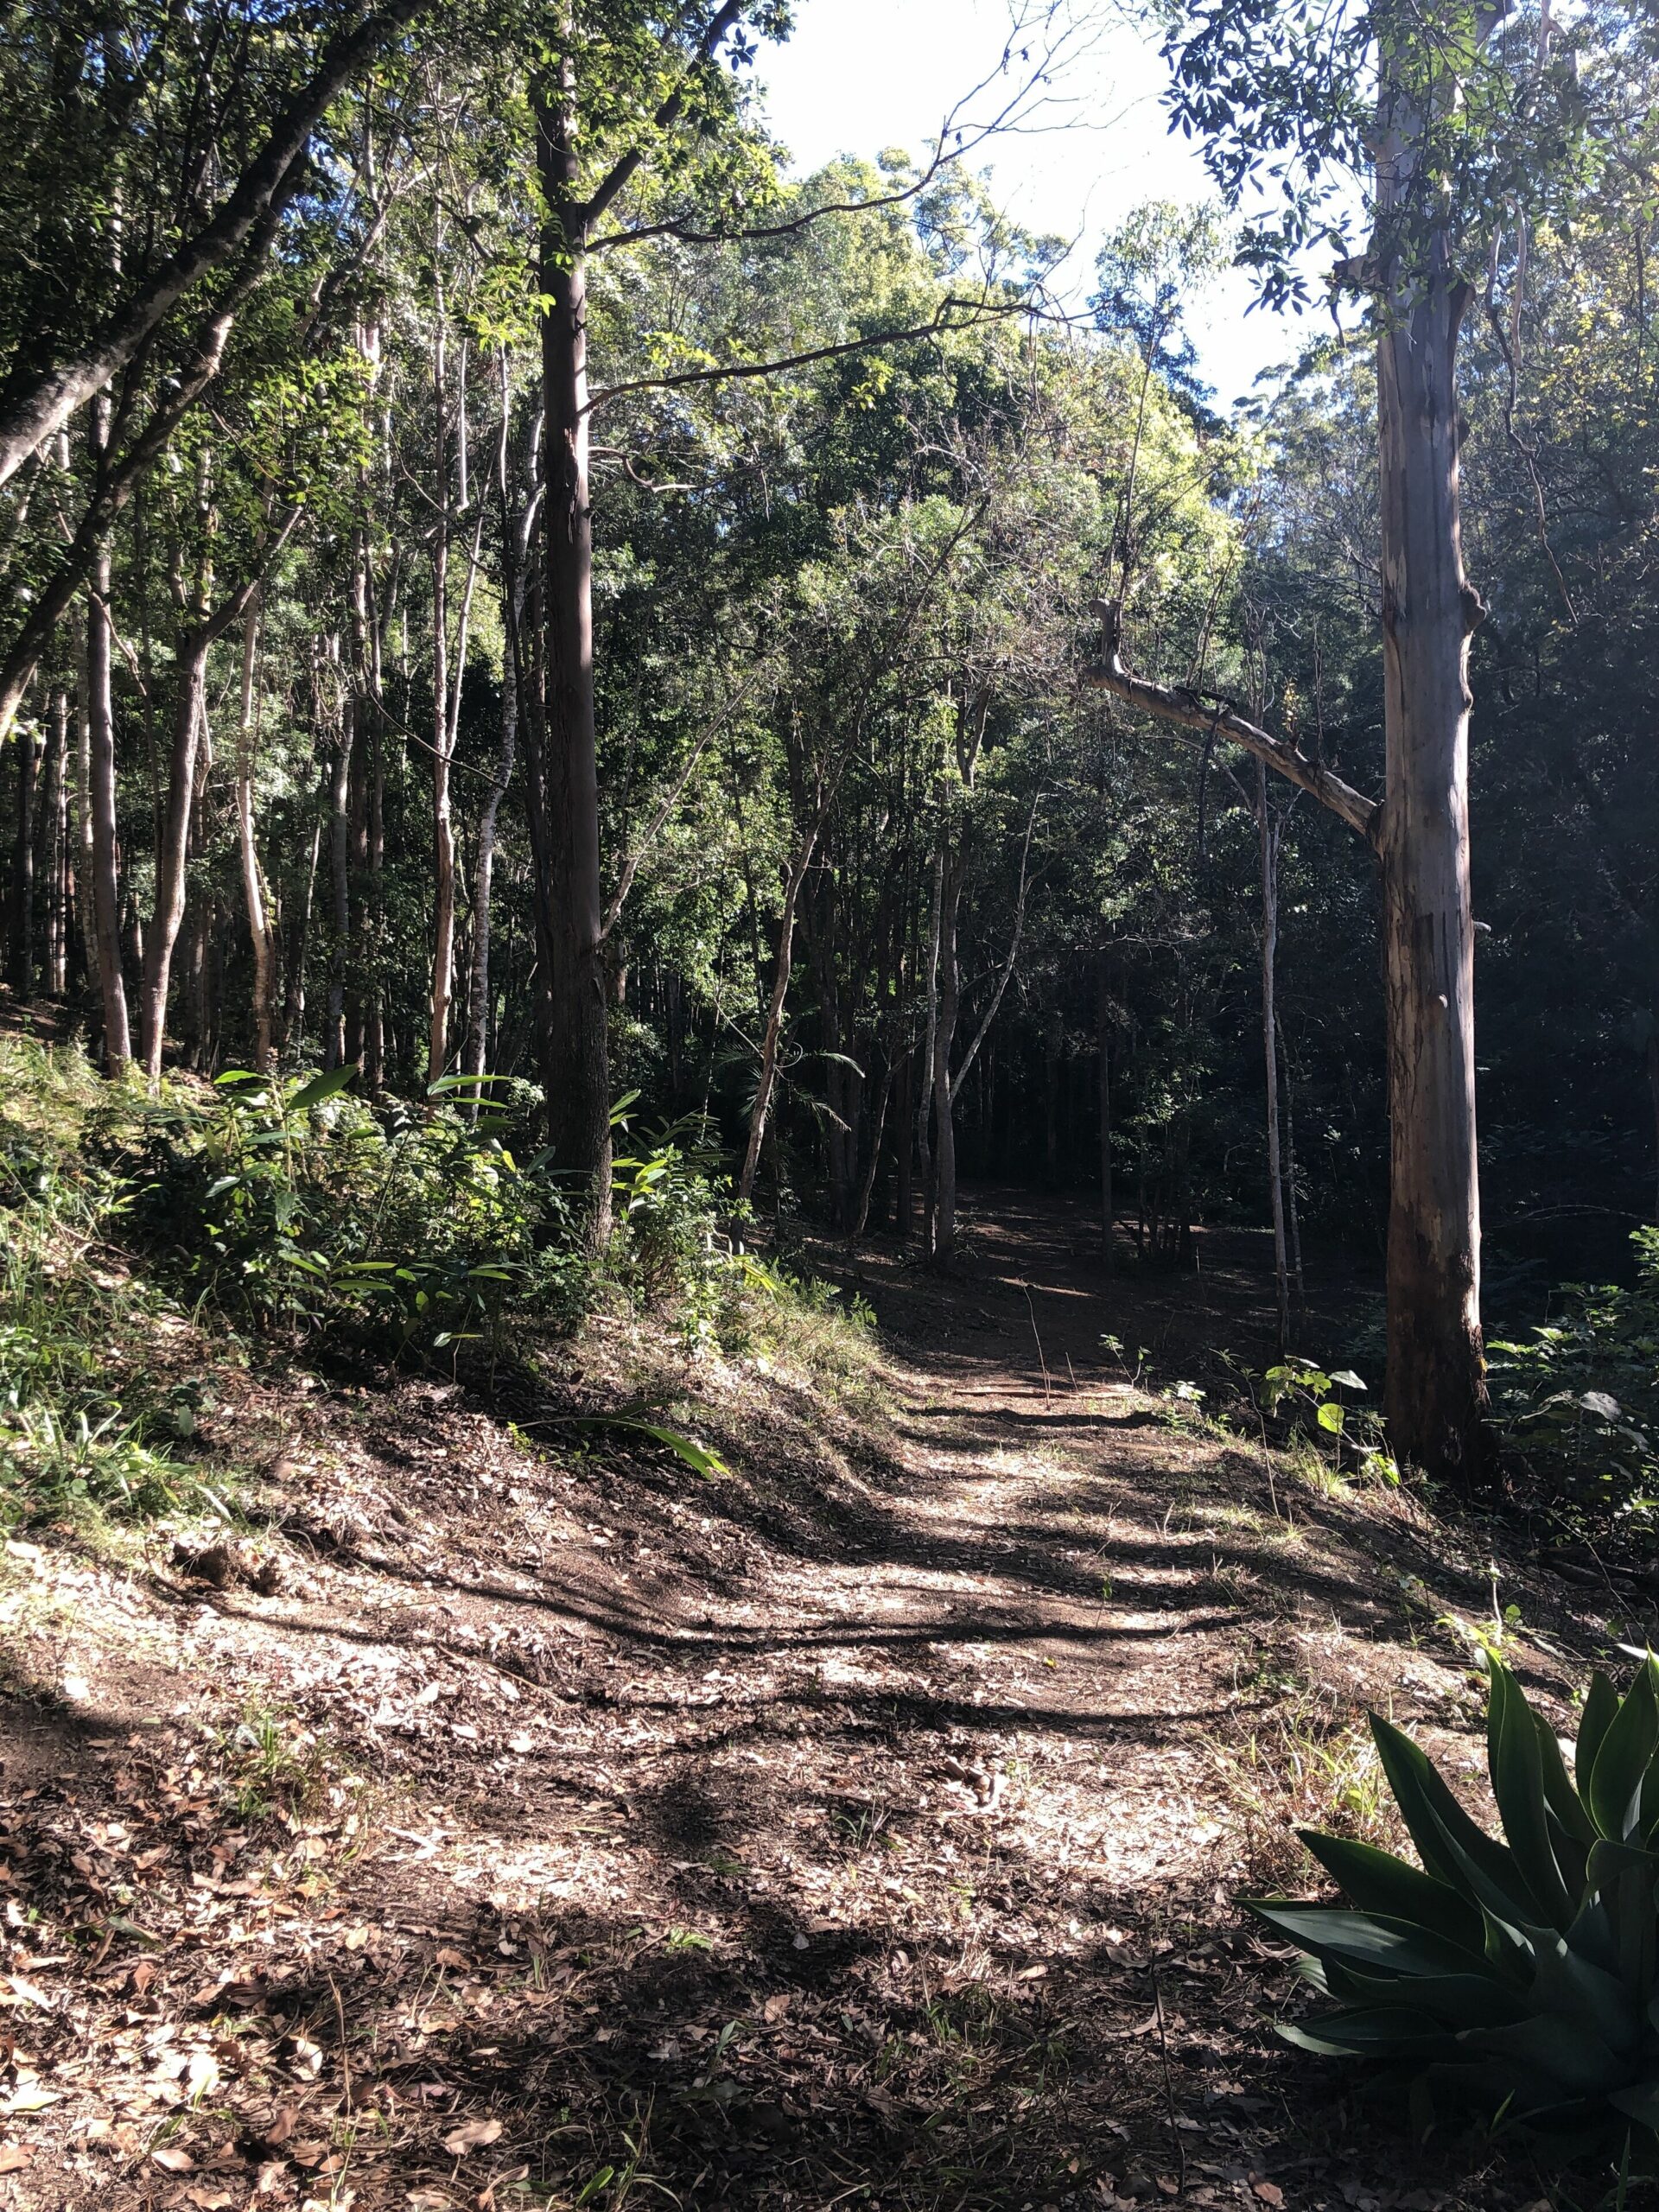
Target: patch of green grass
{"type": "Point", "coordinates": [1304, 1767]}
{"type": "Point", "coordinates": [273, 1763]}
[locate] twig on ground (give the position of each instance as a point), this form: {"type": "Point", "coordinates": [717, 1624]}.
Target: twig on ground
{"type": "Point", "coordinates": [1169, 2086]}
{"type": "Point", "coordinates": [1041, 1359]}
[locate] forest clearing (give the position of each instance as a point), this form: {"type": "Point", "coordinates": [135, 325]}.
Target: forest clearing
{"type": "Point", "coordinates": [829, 1093]}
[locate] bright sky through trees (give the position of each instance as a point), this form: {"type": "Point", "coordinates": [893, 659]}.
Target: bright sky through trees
{"type": "Point", "coordinates": [858, 76]}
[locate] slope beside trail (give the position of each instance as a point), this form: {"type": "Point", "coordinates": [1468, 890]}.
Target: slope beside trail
{"type": "Point", "coordinates": [542, 1826]}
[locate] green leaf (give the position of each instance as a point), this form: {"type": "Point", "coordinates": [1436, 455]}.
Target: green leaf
{"type": "Point", "coordinates": [1600, 1703]}
{"type": "Point", "coordinates": [1515, 1764]}
{"type": "Point", "coordinates": [320, 1088]}
{"type": "Point", "coordinates": [1366, 1941]}
{"type": "Point", "coordinates": [696, 1456]}
{"type": "Point", "coordinates": [1613, 1788]}
{"type": "Point", "coordinates": [446, 1083]}
{"type": "Point", "coordinates": [1574, 1987]}
{"type": "Point", "coordinates": [1452, 1847]}
{"type": "Point", "coordinates": [1332, 1416]}
{"type": "Point", "coordinates": [1640, 2104]}
{"type": "Point", "coordinates": [1379, 1883]}
{"type": "Point", "coordinates": [1563, 1800]}
{"type": "Point", "coordinates": [1365, 2033]}
{"type": "Point", "coordinates": [1569, 2057]}
{"type": "Point", "coordinates": [1451, 2000]}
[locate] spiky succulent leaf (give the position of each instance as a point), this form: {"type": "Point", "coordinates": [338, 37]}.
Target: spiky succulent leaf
{"type": "Point", "coordinates": [1452, 1847]}
{"type": "Point", "coordinates": [1554, 2055]}
{"type": "Point", "coordinates": [1451, 2000]}
{"type": "Point", "coordinates": [1514, 1761]}
{"type": "Point", "coordinates": [1566, 1806]}
{"type": "Point", "coordinates": [1366, 1942]}
{"type": "Point", "coordinates": [1378, 1881]}
{"type": "Point", "coordinates": [1640, 2103]}
{"type": "Point", "coordinates": [1525, 1973]}
{"type": "Point", "coordinates": [1613, 1789]}
{"type": "Point", "coordinates": [1384, 2030]}
{"type": "Point", "coordinates": [1600, 1703]}
{"type": "Point", "coordinates": [1572, 1988]}
{"type": "Point", "coordinates": [1592, 1934]}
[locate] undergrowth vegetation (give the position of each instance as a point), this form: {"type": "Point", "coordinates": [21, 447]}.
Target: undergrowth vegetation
{"type": "Point", "coordinates": [146, 1237]}
{"type": "Point", "coordinates": [1522, 1974]}
{"type": "Point", "coordinates": [1580, 1403]}
{"type": "Point", "coordinates": [72, 1310]}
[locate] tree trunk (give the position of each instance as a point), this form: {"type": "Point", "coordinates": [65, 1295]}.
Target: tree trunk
{"type": "Point", "coordinates": [374, 1022]}
{"type": "Point", "coordinates": [360, 942]}
{"type": "Point", "coordinates": [1436, 1390]}
{"type": "Point", "coordinates": [298, 945]}
{"type": "Point", "coordinates": [1292, 1204]}
{"type": "Point", "coordinates": [924, 1103]}
{"type": "Point", "coordinates": [1053, 1043]}
{"type": "Point", "coordinates": [57, 849]}
{"type": "Point", "coordinates": [904, 1197]}
{"type": "Point", "coordinates": [769, 1046]}
{"type": "Point", "coordinates": [253, 881]}
{"type": "Point", "coordinates": [340, 882]}
{"type": "Point", "coordinates": [443, 835]}
{"type": "Point", "coordinates": [945, 1115]}
{"type": "Point", "coordinates": [873, 1166]}
{"type": "Point", "coordinates": [106, 902]}
{"type": "Point", "coordinates": [80, 860]}
{"type": "Point", "coordinates": [21, 949]}
{"type": "Point", "coordinates": [1268, 845]}
{"type": "Point", "coordinates": [526, 640]}
{"type": "Point", "coordinates": [190, 709]}
{"type": "Point", "coordinates": [513, 549]}
{"type": "Point", "coordinates": [478, 1006]}
{"type": "Point", "coordinates": [820, 920]}
{"type": "Point", "coordinates": [579, 1110]}
{"type": "Point", "coordinates": [1102, 1054]}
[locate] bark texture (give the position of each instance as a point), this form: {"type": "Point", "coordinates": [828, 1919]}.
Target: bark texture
{"type": "Point", "coordinates": [1267, 842]}
{"type": "Point", "coordinates": [578, 1105]}
{"type": "Point", "coordinates": [105, 901]}
{"type": "Point", "coordinates": [1436, 1393]}
{"type": "Point", "coordinates": [254, 896]}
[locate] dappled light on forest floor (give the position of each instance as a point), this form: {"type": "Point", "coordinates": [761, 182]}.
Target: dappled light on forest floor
{"type": "Point", "coordinates": [861, 1825]}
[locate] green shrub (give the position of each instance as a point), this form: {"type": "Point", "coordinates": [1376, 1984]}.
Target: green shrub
{"type": "Point", "coordinates": [1580, 1401]}
{"type": "Point", "coordinates": [70, 1311]}
{"type": "Point", "coordinates": [297, 1208]}
{"type": "Point", "coordinates": [1523, 1975]}
{"type": "Point", "coordinates": [672, 1247]}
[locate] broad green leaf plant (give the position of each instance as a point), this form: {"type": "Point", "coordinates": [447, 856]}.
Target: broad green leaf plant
{"type": "Point", "coordinates": [1522, 1974]}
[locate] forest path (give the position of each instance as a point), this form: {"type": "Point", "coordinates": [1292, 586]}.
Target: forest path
{"type": "Point", "coordinates": [858, 1829]}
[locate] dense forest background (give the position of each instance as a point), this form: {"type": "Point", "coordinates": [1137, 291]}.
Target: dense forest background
{"type": "Point", "coordinates": [858, 482]}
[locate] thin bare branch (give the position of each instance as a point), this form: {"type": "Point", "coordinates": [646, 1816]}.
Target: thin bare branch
{"type": "Point", "coordinates": [1208, 713]}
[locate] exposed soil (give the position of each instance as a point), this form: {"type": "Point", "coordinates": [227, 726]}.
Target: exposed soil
{"type": "Point", "coordinates": [859, 1828]}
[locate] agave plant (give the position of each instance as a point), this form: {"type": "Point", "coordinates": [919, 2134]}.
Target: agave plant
{"type": "Point", "coordinates": [1525, 1973]}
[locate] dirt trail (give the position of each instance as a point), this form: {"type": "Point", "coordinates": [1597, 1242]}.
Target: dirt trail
{"type": "Point", "coordinates": [857, 1829]}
